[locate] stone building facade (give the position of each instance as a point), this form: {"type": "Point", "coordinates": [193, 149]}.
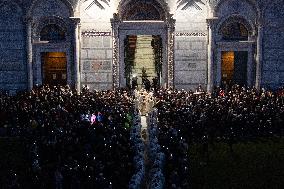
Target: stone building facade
{"type": "Point", "coordinates": [82, 42]}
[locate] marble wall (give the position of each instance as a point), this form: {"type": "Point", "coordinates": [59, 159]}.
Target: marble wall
{"type": "Point", "coordinates": [190, 47]}
{"type": "Point", "coordinates": [95, 38]}
{"type": "Point", "coordinates": [13, 75]}
{"type": "Point", "coordinates": [96, 46]}
{"type": "Point", "coordinates": [96, 62]}
{"type": "Point", "coordinates": [273, 45]}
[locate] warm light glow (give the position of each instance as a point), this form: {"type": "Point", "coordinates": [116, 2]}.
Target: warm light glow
{"type": "Point", "coordinates": [227, 65]}
{"type": "Point", "coordinates": [54, 67]}
{"type": "Point", "coordinates": [140, 56]}
{"type": "Point", "coordinates": [55, 54]}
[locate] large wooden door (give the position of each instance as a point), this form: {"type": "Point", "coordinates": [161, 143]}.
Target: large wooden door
{"type": "Point", "coordinates": [240, 70]}
{"type": "Point", "coordinates": [54, 68]}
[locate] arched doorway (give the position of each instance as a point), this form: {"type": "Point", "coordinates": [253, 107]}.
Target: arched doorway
{"type": "Point", "coordinates": [143, 29]}
{"type": "Point", "coordinates": [235, 51]}
{"type": "Point", "coordinates": [234, 63]}
{"type": "Point", "coordinates": [54, 64]}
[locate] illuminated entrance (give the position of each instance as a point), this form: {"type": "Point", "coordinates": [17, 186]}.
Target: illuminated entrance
{"type": "Point", "coordinates": [143, 59]}
{"type": "Point", "coordinates": [137, 19]}
{"type": "Point", "coordinates": [234, 67]}
{"type": "Point", "coordinates": [54, 68]}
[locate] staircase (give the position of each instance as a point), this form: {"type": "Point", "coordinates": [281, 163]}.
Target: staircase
{"type": "Point", "coordinates": [144, 57]}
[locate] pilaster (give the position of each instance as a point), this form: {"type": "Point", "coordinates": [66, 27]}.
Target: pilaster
{"type": "Point", "coordinates": [170, 22]}
{"type": "Point", "coordinates": [29, 49]}
{"type": "Point", "coordinates": [115, 21]}
{"type": "Point", "coordinates": [259, 55]}
{"type": "Point", "coordinates": [210, 55]}
{"type": "Point", "coordinates": [76, 41]}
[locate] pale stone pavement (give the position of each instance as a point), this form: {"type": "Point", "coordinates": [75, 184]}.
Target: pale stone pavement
{"type": "Point", "coordinates": [143, 123]}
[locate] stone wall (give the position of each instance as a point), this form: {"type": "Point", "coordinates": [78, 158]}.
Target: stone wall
{"type": "Point", "coordinates": [96, 47]}
{"type": "Point", "coordinates": [96, 62]}
{"type": "Point", "coordinates": [13, 72]}
{"type": "Point", "coordinates": [96, 42]}
{"type": "Point", "coordinates": [191, 48]}
{"type": "Point", "coordinates": [273, 46]}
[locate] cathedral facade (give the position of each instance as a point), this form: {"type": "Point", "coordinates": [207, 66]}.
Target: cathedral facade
{"type": "Point", "coordinates": [104, 44]}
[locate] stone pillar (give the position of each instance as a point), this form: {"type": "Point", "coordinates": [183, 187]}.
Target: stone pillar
{"type": "Point", "coordinates": [213, 4]}
{"type": "Point", "coordinates": [218, 68]}
{"type": "Point", "coordinates": [259, 56]}
{"type": "Point", "coordinates": [210, 55]}
{"type": "Point", "coordinates": [249, 67]}
{"type": "Point", "coordinates": [29, 48]}
{"type": "Point", "coordinates": [164, 73]}
{"type": "Point", "coordinates": [121, 67]}
{"type": "Point", "coordinates": [76, 53]}
{"type": "Point", "coordinates": [171, 42]}
{"type": "Point", "coordinates": [115, 21]}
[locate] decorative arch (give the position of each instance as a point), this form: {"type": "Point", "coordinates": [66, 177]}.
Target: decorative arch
{"type": "Point", "coordinates": [70, 7]}
{"type": "Point", "coordinates": [143, 10]}
{"type": "Point", "coordinates": [53, 33]}
{"type": "Point", "coordinates": [236, 19]}
{"type": "Point", "coordinates": [240, 55]}
{"type": "Point", "coordinates": [253, 3]}
{"type": "Point", "coordinates": [46, 21]}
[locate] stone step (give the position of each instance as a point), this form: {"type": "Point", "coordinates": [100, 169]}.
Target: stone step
{"type": "Point", "coordinates": [144, 57]}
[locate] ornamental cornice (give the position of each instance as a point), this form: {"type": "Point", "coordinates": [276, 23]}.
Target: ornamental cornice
{"type": "Point", "coordinates": [75, 20]}
{"type": "Point", "coordinates": [95, 33]}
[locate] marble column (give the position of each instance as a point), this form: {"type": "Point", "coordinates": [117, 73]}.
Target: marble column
{"type": "Point", "coordinates": [259, 56]}
{"type": "Point", "coordinates": [210, 55]}
{"type": "Point", "coordinates": [164, 73]}
{"type": "Point", "coordinates": [29, 48]}
{"type": "Point", "coordinates": [76, 53]}
{"type": "Point", "coordinates": [171, 42]}
{"type": "Point", "coordinates": [115, 21]}
{"type": "Point", "coordinates": [121, 68]}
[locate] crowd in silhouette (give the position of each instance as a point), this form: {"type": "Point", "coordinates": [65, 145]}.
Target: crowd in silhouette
{"type": "Point", "coordinates": [73, 141]}
{"type": "Point", "coordinates": [84, 141]}
{"type": "Point", "coordinates": [231, 116]}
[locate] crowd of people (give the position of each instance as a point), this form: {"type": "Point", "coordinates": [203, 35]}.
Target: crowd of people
{"type": "Point", "coordinates": [236, 115]}
{"type": "Point", "coordinates": [74, 141]}
{"type": "Point", "coordinates": [92, 139]}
